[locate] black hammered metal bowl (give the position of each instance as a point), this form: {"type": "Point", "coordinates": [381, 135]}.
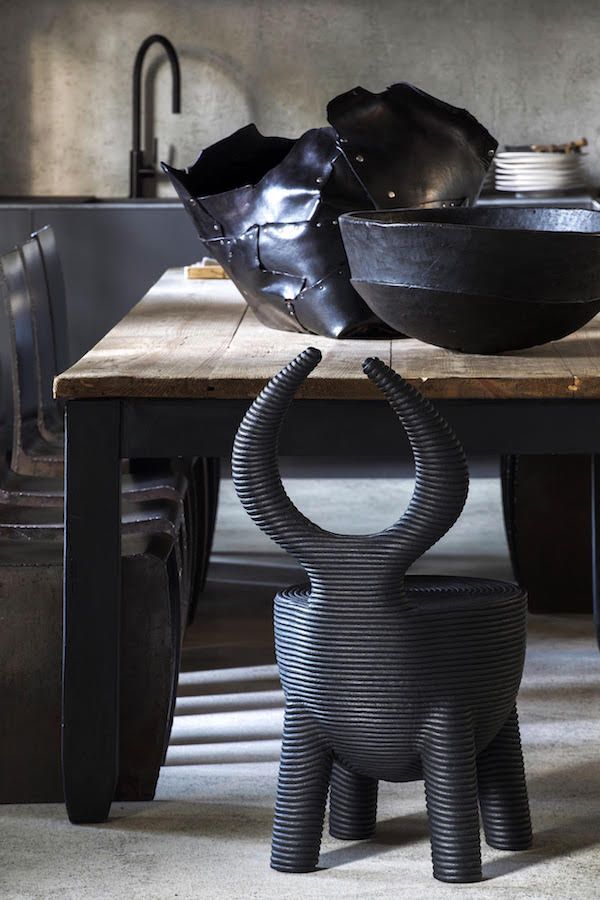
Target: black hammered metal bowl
{"type": "Point", "coordinates": [477, 279]}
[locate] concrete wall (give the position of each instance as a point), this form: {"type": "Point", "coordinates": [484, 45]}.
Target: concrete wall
{"type": "Point", "coordinates": [528, 69]}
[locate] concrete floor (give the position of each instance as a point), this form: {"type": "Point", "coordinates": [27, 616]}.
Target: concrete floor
{"type": "Point", "coordinates": [207, 833]}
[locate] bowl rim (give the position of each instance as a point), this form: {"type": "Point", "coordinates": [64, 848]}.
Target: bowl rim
{"type": "Point", "coordinates": [369, 216]}
{"type": "Point", "coordinates": [474, 296]}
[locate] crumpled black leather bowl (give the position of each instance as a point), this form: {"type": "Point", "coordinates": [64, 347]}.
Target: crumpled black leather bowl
{"type": "Point", "coordinates": [479, 279]}
{"type": "Point", "coordinates": [267, 208]}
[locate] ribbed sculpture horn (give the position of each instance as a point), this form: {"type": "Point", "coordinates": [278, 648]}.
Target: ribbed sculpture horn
{"type": "Point", "coordinates": [254, 459]}
{"type": "Point", "coordinates": [441, 474]}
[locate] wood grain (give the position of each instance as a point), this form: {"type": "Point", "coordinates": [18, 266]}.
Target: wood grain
{"type": "Point", "coordinates": [166, 346]}
{"type": "Point", "coordinates": [198, 270]}
{"type": "Point", "coordinates": [256, 353]}
{"type": "Point", "coordinates": [198, 339]}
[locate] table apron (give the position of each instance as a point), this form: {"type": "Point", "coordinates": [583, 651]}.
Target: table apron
{"type": "Point", "coordinates": [152, 428]}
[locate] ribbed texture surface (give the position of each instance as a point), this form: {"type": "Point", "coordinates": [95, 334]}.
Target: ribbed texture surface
{"type": "Point", "coordinates": [503, 791]}
{"type": "Point", "coordinates": [254, 459]}
{"type": "Point", "coordinates": [352, 805]}
{"type": "Point", "coordinates": [304, 772]}
{"type": "Point", "coordinates": [388, 677]}
{"type": "Point", "coordinates": [450, 772]}
{"type": "Point", "coordinates": [439, 496]}
{"type": "Point", "coordinates": [441, 474]}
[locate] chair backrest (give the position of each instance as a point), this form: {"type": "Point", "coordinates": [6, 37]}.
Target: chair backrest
{"type": "Point", "coordinates": [57, 303]}
{"type": "Point", "coordinates": [6, 388]}
{"type": "Point", "coordinates": [47, 289]}
{"type": "Point", "coordinates": [44, 363]}
{"type": "Point", "coordinates": [20, 393]}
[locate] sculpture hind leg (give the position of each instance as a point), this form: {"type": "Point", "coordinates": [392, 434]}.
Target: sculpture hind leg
{"type": "Point", "coordinates": [450, 773]}
{"type": "Point", "coordinates": [304, 772]}
{"type": "Point", "coordinates": [352, 805]}
{"type": "Point", "coordinates": [503, 790]}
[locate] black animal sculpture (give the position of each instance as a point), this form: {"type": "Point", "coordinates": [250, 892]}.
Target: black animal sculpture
{"type": "Point", "coordinates": [387, 677]}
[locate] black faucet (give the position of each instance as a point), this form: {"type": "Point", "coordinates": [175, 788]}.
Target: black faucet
{"type": "Point", "coordinates": [137, 169]}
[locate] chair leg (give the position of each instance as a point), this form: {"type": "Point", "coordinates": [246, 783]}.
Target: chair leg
{"type": "Point", "coordinates": [352, 805]}
{"type": "Point", "coordinates": [192, 532]}
{"type": "Point", "coordinates": [212, 479]}
{"type": "Point", "coordinates": [176, 619]}
{"type": "Point", "coordinates": [150, 633]}
{"type": "Point", "coordinates": [205, 479]}
{"type": "Point", "coordinates": [304, 773]}
{"type": "Point", "coordinates": [503, 790]}
{"type": "Point", "coordinates": [450, 773]}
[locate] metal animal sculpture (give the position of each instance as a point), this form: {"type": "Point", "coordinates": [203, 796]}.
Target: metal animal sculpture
{"type": "Point", "coordinates": [388, 677]}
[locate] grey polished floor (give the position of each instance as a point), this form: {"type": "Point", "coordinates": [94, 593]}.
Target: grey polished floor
{"type": "Point", "coordinates": [207, 834]}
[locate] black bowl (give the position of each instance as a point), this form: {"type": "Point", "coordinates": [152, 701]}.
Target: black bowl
{"type": "Point", "coordinates": [480, 280]}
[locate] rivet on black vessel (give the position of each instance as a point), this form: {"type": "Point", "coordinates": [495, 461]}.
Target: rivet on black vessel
{"type": "Point", "coordinates": [388, 677]}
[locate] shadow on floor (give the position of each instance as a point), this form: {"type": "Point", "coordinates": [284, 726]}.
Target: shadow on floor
{"type": "Point", "coordinates": [573, 833]}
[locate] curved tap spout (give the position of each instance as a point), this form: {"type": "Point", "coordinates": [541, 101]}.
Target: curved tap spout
{"type": "Point", "coordinates": [137, 169]}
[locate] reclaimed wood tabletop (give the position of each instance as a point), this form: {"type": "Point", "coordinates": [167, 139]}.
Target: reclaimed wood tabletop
{"type": "Point", "coordinates": [198, 339]}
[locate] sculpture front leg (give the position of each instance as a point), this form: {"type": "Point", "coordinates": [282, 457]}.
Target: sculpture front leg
{"type": "Point", "coordinates": [352, 805]}
{"type": "Point", "coordinates": [304, 772]}
{"type": "Point", "coordinates": [450, 773]}
{"type": "Point", "coordinates": [503, 790]}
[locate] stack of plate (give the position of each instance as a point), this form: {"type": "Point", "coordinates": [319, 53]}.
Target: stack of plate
{"type": "Point", "coordinates": [524, 171]}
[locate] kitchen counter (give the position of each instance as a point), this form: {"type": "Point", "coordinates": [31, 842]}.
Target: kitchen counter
{"type": "Point", "coordinates": [112, 249]}
{"type": "Point", "coordinates": [579, 199]}
{"type": "Point", "coordinates": [57, 200]}
{"type": "Point", "coordinates": [572, 200]}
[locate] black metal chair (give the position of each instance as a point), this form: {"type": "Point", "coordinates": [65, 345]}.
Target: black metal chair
{"type": "Point", "coordinates": [37, 445]}
{"type": "Point", "coordinates": [31, 649]}
{"type": "Point", "coordinates": [31, 532]}
{"type": "Point", "coordinates": [31, 453]}
{"type": "Point", "coordinates": [202, 475]}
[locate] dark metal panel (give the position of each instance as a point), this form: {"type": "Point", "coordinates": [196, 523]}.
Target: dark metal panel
{"type": "Point", "coordinates": [92, 608]}
{"type": "Point", "coordinates": [111, 257]}
{"type": "Point", "coordinates": [360, 428]}
{"type": "Point", "coordinates": [15, 226]}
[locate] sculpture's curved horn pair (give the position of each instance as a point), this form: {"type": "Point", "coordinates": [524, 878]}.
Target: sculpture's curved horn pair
{"type": "Point", "coordinates": [441, 470]}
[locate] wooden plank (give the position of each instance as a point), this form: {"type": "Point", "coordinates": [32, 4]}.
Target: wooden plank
{"type": "Point", "coordinates": [580, 352]}
{"type": "Point", "coordinates": [256, 353]}
{"type": "Point", "coordinates": [569, 368]}
{"type": "Point", "coordinates": [166, 345]}
{"type": "Point", "coordinates": [189, 339]}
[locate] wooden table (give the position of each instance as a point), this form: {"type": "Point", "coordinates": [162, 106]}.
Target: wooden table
{"type": "Point", "coordinates": [174, 379]}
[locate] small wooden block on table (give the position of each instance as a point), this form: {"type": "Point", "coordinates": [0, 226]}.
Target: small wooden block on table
{"type": "Point", "coordinates": [205, 271]}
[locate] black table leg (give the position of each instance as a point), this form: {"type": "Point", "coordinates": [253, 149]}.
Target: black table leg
{"type": "Point", "coordinates": [92, 607]}
{"type": "Point", "coordinates": [596, 543]}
